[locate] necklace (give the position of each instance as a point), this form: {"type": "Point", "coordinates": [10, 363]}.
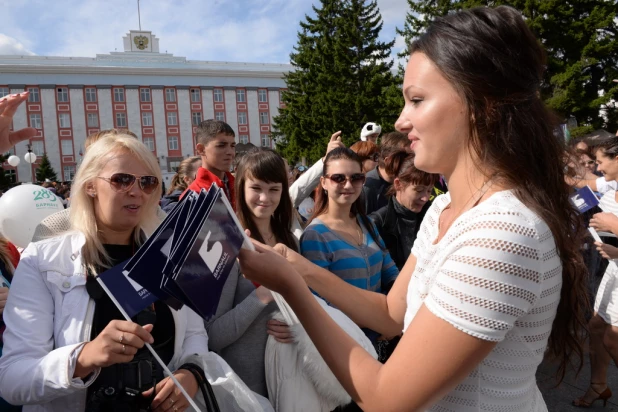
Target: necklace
{"type": "Point", "coordinates": [269, 238]}
{"type": "Point", "coordinates": [478, 195]}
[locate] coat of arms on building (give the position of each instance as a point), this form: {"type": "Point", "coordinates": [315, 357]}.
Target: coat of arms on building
{"type": "Point", "coordinates": [141, 42]}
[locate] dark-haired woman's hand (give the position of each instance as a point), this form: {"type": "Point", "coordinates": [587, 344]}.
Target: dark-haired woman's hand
{"type": "Point", "coordinates": [268, 268]}
{"type": "Point", "coordinates": [302, 265]}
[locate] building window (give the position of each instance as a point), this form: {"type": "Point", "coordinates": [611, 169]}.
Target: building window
{"type": "Point", "coordinates": [38, 147]}
{"type": "Point", "coordinates": [265, 140]}
{"type": "Point", "coordinates": [63, 94]}
{"type": "Point", "coordinates": [195, 95]}
{"type": "Point", "coordinates": [172, 143]}
{"type": "Point", "coordinates": [91, 95]}
{"type": "Point", "coordinates": [220, 116]}
{"type": "Point", "coordinates": [68, 172]}
{"type": "Point", "coordinates": [35, 121]}
{"type": "Point", "coordinates": [34, 96]}
{"type": "Point", "coordinates": [170, 95]}
{"type": "Point", "coordinates": [67, 148]}
{"type": "Point", "coordinates": [93, 120]}
{"type": "Point", "coordinates": [121, 120]}
{"type": "Point", "coordinates": [172, 119]}
{"type": "Point", "coordinates": [118, 95]}
{"type": "Point", "coordinates": [4, 91]}
{"type": "Point", "coordinates": [64, 120]}
{"type": "Point", "coordinates": [144, 95]}
{"type": "Point", "coordinates": [244, 139]}
{"type": "Point", "coordinates": [146, 119]}
{"type": "Point", "coordinates": [240, 96]}
{"type": "Point", "coordinates": [218, 95]}
{"type": "Point", "coordinates": [174, 166]}
{"type": "Point", "coordinates": [263, 117]}
{"type": "Point", "coordinates": [242, 118]}
{"type": "Point", "coordinates": [149, 142]}
{"type": "Point", "coordinates": [196, 118]}
{"type": "Point", "coordinates": [262, 96]}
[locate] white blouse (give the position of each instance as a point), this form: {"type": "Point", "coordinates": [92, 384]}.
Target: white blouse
{"type": "Point", "coordinates": [495, 275]}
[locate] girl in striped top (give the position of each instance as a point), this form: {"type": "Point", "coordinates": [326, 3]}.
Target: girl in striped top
{"type": "Point", "coordinates": [340, 237]}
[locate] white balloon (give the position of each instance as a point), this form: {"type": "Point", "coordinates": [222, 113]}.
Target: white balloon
{"type": "Point", "coordinates": [22, 208]}
{"type": "Point", "coordinates": [14, 160]}
{"type": "Point", "coordinates": [30, 157]}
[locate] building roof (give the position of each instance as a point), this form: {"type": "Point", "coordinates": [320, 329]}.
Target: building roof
{"type": "Point", "coordinates": [133, 64]}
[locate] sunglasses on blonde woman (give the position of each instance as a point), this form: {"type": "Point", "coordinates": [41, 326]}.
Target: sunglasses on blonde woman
{"type": "Point", "coordinates": [123, 182]}
{"type": "Point", "coordinates": [357, 179]}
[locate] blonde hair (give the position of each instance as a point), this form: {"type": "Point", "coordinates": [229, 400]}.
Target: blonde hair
{"type": "Point", "coordinates": [82, 215]}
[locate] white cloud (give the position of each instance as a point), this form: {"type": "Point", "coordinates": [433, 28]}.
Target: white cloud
{"type": "Point", "coordinates": [11, 46]}
{"type": "Point", "coordinates": [239, 30]}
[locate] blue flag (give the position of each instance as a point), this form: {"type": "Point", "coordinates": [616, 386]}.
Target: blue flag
{"type": "Point", "coordinates": [129, 294]}
{"type": "Point", "coordinates": [584, 199]}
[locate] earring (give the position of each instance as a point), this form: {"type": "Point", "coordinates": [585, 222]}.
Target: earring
{"type": "Point", "coordinates": [93, 194]}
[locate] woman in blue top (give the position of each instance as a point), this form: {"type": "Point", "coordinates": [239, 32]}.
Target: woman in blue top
{"type": "Point", "coordinates": [340, 237]}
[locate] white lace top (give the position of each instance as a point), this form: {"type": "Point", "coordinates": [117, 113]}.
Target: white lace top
{"type": "Point", "coordinates": [496, 276]}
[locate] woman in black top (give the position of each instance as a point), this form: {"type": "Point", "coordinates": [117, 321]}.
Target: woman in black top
{"type": "Point", "coordinates": [399, 221]}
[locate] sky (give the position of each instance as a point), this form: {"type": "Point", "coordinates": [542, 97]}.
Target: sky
{"type": "Point", "coordinates": [263, 31]}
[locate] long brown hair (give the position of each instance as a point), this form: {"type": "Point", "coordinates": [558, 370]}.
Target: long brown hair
{"type": "Point", "coordinates": [265, 165]}
{"type": "Point", "coordinates": [358, 207]}
{"type": "Point", "coordinates": [496, 64]}
{"type": "Point", "coordinates": [187, 167]}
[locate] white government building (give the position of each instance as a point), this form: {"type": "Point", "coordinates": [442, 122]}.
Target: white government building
{"type": "Point", "coordinates": [158, 96]}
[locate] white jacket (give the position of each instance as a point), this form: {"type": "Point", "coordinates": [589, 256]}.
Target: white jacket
{"type": "Point", "coordinates": [301, 189]}
{"type": "Point", "coordinates": [49, 317]}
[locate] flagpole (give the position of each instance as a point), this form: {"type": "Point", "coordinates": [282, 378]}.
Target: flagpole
{"type": "Point", "coordinates": [152, 351]}
{"type": "Point", "coordinates": [139, 16]}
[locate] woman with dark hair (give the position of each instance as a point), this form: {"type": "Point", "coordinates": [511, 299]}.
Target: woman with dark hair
{"type": "Point", "coordinates": [340, 237]}
{"type": "Point", "coordinates": [399, 221]}
{"type": "Point", "coordinates": [184, 176]}
{"type": "Point", "coordinates": [243, 320]}
{"type": "Point", "coordinates": [495, 279]}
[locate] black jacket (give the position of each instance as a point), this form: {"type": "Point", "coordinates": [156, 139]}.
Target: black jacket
{"type": "Point", "coordinates": [398, 227]}
{"type": "Point", "coordinates": [169, 201]}
{"type": "Point", "coordinates": [374, 191]}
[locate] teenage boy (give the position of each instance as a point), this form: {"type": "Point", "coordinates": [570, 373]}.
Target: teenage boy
{"type": "Point", "coordinates": [216, 145]}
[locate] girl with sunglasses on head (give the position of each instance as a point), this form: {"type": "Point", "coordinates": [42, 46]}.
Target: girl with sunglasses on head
{"type": "Point", "coordinates": [66, 343]}
{"type": "Point", "coordinates": [185, 175]}
{"type": "Point", "coordinates": [340, 237]}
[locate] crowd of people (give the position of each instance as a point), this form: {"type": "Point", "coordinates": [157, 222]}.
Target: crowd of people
{"type": "Point", "coordinates": [432, 268]}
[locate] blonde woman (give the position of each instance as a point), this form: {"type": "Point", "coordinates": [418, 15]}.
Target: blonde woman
{"type": "Point", "coordinates": [66, 344]}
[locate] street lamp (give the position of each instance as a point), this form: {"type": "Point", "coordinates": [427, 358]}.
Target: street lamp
{"type": "Point", "coordinates": [30, 158]}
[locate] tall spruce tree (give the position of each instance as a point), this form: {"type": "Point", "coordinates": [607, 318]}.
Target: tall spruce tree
{"type": "Point", "coordinates": [581, 41]}
{"type": "Point", "coordinates": [45, 170]}
{"type": "Point", "coordinates": [341, 73]}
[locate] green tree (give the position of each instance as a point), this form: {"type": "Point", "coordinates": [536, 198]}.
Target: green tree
{"type": "Point", "coordinates": [341, 79]}
{"type": "Point", "coordinates": [4, 181]}
{"type": "Point", "coordinates": [581, 41]}
{"type": "Point", "coordinates": [45, 170]}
